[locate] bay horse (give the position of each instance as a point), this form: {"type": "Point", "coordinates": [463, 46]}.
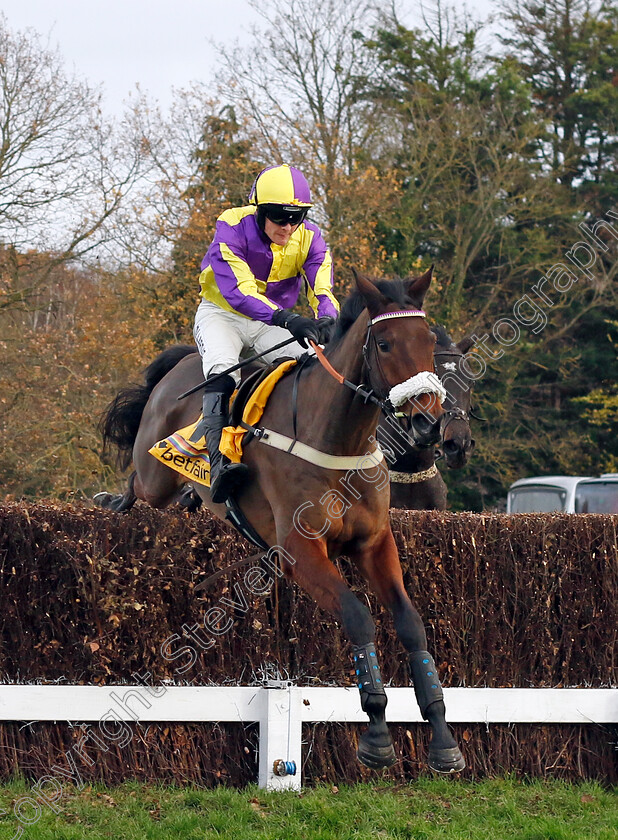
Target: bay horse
{"type": "Point", "coordinates": [313, 513]}
{"type": "Point", "coordinates": [416, 483]}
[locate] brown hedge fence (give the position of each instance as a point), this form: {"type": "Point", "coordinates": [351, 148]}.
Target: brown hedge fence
{"type": "Point", "coordinates": [90, 597]}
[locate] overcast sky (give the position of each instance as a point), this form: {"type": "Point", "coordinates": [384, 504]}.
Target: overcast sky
{"type": "Point", "coordinates": [159, 44]}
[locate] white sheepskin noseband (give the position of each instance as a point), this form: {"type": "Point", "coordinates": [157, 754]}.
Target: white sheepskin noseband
{"type": "Point", "coordinates": [424, 382]}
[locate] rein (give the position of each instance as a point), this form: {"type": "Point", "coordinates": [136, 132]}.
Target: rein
{"type": "Point", "coordinates": [368, 396]}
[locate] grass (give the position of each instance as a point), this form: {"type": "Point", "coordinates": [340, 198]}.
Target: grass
{"type": "Point", "coordinates": [500, 809]}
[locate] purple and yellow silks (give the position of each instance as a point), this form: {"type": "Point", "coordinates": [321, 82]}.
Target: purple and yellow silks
{"type": "Point", "coordinates": [244, 272]}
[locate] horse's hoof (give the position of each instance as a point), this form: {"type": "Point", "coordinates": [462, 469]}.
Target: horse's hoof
{"type": "Point", "coordinates": [103, 500]}
{"type": "Point", "coordinates": [189, 500]}
{"type": "Point", "coordinates": [447, 761]}
{"type": "Point", "coordinates": [375, 757]}
{"type": "Point", "coordinates": [119, 503]}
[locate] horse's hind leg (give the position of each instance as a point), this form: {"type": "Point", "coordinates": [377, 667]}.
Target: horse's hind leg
{"type": "Point", "coordinates": [119, 503]}
{"type": "Point", "coordinates": [155, 483]}
{"type": "Point", "coordinates": [383, 571]}
{"type": "Point", "coordinates": [314, 572]}
{"type": "Point", "coordinates": [160, 487]}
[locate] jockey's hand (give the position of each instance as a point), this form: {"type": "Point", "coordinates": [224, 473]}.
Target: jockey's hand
{"type": "Point", "coordinates": [326, 326]}
{"type": "Point", "coordinates": [301, 328]}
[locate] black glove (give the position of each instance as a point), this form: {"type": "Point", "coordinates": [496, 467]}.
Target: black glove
{"type": "Point", "coordinates": [327, 327]}
{"type": "Point", "coordinates": [301, 328]}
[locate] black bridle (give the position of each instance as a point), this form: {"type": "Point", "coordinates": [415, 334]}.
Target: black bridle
{"type": "Point", "coordinates": [370, 394]}
{"type": "Point", "coordinates": [371, 341]}
{"type": "Point", "coordinates": [455, 412]}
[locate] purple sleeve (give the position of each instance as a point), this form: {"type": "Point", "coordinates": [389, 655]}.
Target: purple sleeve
{"type": "Point", "coordinates": [227, 257]}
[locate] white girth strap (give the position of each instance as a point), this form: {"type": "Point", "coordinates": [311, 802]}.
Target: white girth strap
{"type": "Point", "coordinates": [424, 382]}
{"type": "Point", "coordinates": [320, 459]}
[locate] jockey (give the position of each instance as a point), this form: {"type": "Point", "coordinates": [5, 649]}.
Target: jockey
{"type": "Point", "coordinates": [251, 278]}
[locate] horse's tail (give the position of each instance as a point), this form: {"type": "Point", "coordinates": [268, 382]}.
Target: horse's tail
{"type": "Point", "coordinates": [121, 419]}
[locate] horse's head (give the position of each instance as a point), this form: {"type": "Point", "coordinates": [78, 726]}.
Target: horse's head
{"type": "Point", "coordinates": [398, 353]}
{"type": "Point", "coordinates": [457, 440]}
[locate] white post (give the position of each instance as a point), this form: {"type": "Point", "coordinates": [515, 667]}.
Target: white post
{"type": "Point", "coordinates": [280, 734]}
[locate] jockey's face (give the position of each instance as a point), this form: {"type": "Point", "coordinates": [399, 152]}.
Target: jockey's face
{"type": "Point", "coordinates": [279, 234]}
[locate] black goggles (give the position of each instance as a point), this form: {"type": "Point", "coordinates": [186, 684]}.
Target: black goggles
{"type": "Point", "coordinates": [285, 215]}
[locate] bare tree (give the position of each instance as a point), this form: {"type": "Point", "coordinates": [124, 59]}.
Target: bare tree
{"type": "Point", "coordinates": [64, 170]}
{"type": "Point", "coordinates": [301, 84]}
{"type": "Point", "coordinates": [195, 151]}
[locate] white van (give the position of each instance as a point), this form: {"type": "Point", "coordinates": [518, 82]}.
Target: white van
{"type": "Point", "coordinates": [564, 494]}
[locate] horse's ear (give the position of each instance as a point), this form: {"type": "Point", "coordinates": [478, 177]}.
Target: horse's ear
{"type": "Point", "coordinates": [417, 287]}
{"type": "Point", "coordinates": [375, 301]}
{"type": "Point", "coordinates": [465, 344]}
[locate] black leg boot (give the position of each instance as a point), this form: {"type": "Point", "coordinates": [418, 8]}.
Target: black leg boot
{"type": "Point", "coordinates": [225, 476]}
{"type": "Point", "coordinates": [375, 747]}
{"type": "Point", "coordinates": [444, 754]}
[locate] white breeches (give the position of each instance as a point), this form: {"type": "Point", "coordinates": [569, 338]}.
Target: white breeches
{"type": "Point", "coordinates": [221, 336]}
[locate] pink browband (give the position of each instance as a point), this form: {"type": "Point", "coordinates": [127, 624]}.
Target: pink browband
{"type": "Point", "coordinates": [405, 313]}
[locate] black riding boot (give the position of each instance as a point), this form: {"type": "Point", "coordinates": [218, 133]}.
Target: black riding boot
{"type": "Point", "coordinates": [225, 476]}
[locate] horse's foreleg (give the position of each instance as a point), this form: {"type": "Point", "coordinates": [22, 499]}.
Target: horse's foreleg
{"type": "Point", "coordinates": [382, 568]}
{"type": "Point", "coordinates": [314, 572]}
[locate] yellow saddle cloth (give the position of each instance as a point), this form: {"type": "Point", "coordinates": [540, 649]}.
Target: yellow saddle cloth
{"type": "Point", "coordinates": [190, 458]}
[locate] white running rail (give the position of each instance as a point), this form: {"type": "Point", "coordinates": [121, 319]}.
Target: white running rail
{"type": "Point", "coordinates": [281, 708]}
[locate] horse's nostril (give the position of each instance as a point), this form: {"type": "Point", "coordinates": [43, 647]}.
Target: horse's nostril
{"type": "Point", "coordinates": [426, 429]}
{"type": "Point", "coordinates": [451, 447]}
{"type": "Point", "coordinates": [422, 424]}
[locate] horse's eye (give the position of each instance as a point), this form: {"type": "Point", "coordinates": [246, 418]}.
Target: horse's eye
{"type": "Point", "coordinates": [384, 346]}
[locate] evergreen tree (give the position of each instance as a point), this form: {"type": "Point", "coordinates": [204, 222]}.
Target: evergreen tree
{"type": "Point", "coordinates": [567, 50]}
{"type": "Point", "coordinates": [480, 200]}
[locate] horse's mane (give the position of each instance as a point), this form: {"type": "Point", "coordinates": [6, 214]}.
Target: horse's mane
{"type": "Point", "coordinates": [354, 304]}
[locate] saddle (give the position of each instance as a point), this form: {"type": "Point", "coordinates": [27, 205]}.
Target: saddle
{"type": "Point", "coordinates": [248, 386]}
{"type": "Point", "coordinates": [190, 458]}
